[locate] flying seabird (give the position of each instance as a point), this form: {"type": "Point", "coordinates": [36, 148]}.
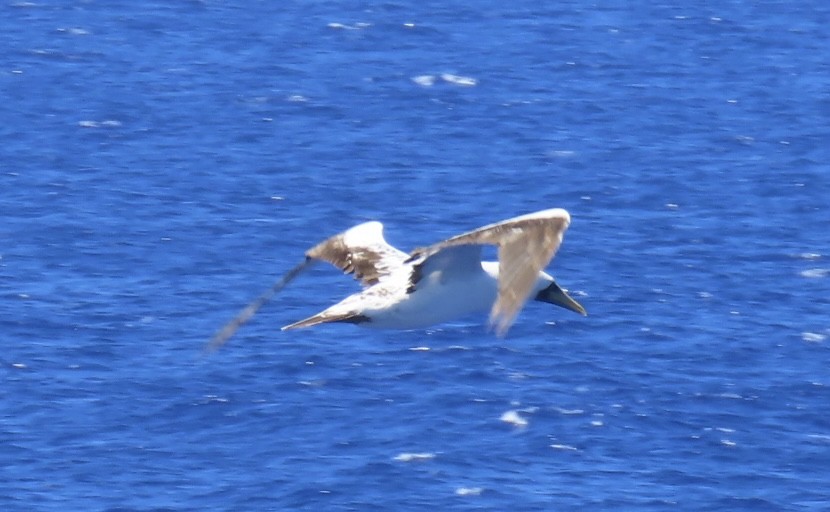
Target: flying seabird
{"type": "Point", "coordinates": [437, 283]}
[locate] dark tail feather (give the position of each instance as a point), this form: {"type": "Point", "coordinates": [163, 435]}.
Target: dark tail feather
{"type": "Point", "coordinates": [324, 318]}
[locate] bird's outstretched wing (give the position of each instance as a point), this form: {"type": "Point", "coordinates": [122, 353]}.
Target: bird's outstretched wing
{"type": "Point", "coordinates": [526, 244]}
{"type": "Point", "coordinates": [361, 251]}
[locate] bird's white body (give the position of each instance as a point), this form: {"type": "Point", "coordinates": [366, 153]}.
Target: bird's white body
{"type": "Point", "coordinates": [442, 296]}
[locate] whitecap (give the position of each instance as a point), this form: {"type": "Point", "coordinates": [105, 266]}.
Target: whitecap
{"type": "Point", "coordinates": [464, 81]}
{"type": "Point", "coordinates": [564, 447]}
{"type": "Point", "coordinates": [318, 383]}
{"type": "Point", "coordinates": [107, 123]}
{"type": "Point", "coordinates": [74, 31]}
{"type": "Point", "coordinates": [342, 26]}
{"type": "Point", "coordinates": [414, 457]}
{"type": "Point", "coordinates": [424, 80]}
{"type": "Point", "coordinates": [562, 153]}
{"type": "Point", "coordinates": [468, 491]}
{"type": "Point", "coordinates": [813, 337]}
{"type": "Point", "coordinates": [214, 399]}
{"type": "Point", "coordinates": [815, 273]}
{"type": "Point", "coordinates": [819, 438]}
{"type": "Point", "coordinates": [513, 418]}
{"type": "Point", "coordinates": [568, 412]}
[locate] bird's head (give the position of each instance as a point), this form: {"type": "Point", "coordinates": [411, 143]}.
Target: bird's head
{"type": "Point", "coordinates": [550, 292]}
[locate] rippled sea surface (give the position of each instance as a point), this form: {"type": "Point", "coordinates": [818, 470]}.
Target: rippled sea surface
{"type": "Point", "coordinates": [164, 162]}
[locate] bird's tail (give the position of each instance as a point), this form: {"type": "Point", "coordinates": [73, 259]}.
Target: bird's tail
{"type": "Point", "coordinates": [324, 318]}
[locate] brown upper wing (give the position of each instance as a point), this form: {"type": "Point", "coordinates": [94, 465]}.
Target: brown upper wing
{"type": "Point", "coordinates": [361, 251]}
{"type": "Point", "coordinates": [525, 246]}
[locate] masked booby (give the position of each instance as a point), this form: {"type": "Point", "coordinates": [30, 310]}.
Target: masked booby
{"type": "Point", "coordinates": [437, 283]}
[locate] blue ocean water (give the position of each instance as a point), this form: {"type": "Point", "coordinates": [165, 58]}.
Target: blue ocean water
{"type": "Point", "coordinates": [164, 162]}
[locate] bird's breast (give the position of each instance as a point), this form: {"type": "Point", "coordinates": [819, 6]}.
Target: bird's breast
{"type": "Point", "coordinates": [438, 299]}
